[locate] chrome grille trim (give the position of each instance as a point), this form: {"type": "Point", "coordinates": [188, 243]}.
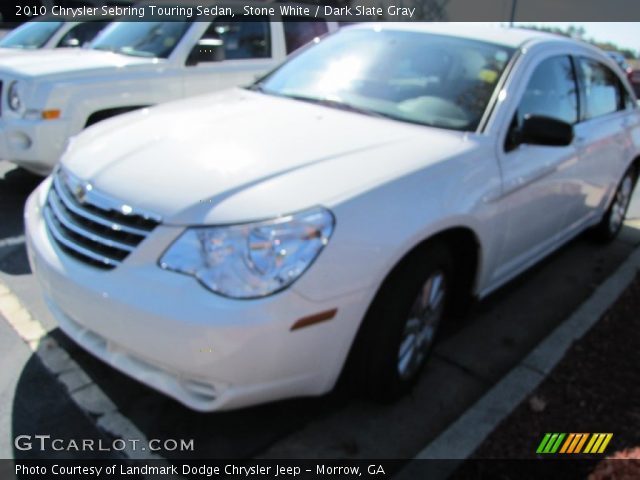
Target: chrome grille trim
{"type": "Point", "coordinates": [61, 238]}
{"type": "Point", "coordinates": [76, 208]}
{"type": "Point", "coordinates": [92, 226]}
{"type": "Point", "coordinates": [66, 222]}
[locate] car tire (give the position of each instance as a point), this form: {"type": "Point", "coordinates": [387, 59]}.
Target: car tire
{"type": "Point", "coordinates": [401, 326]}
{"type": "Point", "coordinates": [613, 219]}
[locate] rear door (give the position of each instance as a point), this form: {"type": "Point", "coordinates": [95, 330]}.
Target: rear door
{"type": "Point", "coordinates": [602, 138]}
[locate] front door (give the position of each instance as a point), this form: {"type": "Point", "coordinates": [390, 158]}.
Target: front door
{"type": "Point", "coordinates": [538, 192]}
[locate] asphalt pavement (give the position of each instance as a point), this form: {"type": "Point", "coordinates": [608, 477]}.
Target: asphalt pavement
{"type": "Point", "coordinates": [473, 355]}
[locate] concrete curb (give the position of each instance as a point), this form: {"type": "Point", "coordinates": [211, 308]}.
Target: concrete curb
{"type": "Point", "coordinates": [466, 434]}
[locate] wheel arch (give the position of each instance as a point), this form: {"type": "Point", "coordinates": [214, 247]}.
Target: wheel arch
{"type": "Point", "coordinates": [106, 113]}
{"type": "Point", "coordinates": [465, 248]}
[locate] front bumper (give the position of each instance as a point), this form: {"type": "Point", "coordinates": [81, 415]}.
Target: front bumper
{"type": "Point", "coordinates": [35, 145]}
{"type": "Point", "coordinates": [167, 331]}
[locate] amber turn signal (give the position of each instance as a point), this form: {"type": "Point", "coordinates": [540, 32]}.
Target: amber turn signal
{"type": "Point", "coordinates": [313, 319]}
{"type": "Point", "coordinates": [50, 114]}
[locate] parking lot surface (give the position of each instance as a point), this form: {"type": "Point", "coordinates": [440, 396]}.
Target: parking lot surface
{"type": "Point", "coordinates": [472, 356]}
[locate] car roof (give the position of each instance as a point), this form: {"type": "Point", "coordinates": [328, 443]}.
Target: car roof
{"type": "Point", "coordinates": [501, 35]}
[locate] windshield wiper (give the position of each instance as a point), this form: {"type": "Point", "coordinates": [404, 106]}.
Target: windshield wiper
{"type": "Point", "coordinates": [104, 49]}
{"type": "Point", "coordinates": [339, 104]}
{"type": "Point", "coordinates": [257, 87]}
{"type": "Point", "coordinates": [327, 102]}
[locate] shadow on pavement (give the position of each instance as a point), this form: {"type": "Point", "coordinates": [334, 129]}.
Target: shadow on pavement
{"type": "Point", "coordinates": [14, 261]}
{"type": "Point", "coordinates": [40, 405]}
{"type": "Point", "coordinates": [15, 186]}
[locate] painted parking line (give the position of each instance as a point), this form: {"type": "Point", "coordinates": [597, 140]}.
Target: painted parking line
{"type": "Point", "coordinates": [83, 391]}
{"type": "Point", "coordinates": [12, 241]}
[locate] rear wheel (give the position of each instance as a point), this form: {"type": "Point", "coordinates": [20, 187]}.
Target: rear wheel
{"type": "Point", "coordinates": [613, 219]}
{"type": "Point", "coordinates": [400, 329]}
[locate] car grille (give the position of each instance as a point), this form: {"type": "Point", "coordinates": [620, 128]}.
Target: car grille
{"type": "Point", "coordinates": [93, 227]}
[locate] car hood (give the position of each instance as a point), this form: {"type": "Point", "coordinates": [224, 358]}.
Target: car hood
{"type": "Point", "coordinates": [11, 52]}
{"type": "Point", "coordinates": [36, 63]}
{"type": "Point", "coordinates": [185, 160]}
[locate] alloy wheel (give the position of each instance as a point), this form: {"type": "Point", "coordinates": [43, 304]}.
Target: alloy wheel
{"type": "Point", "coordinates": [421, 325]}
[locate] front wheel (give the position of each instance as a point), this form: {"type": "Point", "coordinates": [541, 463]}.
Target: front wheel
{"type": "Point", "coordinates": [613, 219]}
{"type": "Point", "coordinates": [400, 329]}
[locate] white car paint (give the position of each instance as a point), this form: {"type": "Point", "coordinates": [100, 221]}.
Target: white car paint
{"type": "Point", "coordinates": [241, 156]}
{"type": "Point", "coordinates": [81, 82]}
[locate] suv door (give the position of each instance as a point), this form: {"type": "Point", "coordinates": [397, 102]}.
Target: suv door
{"type": "Point", "coordinates": [537, 193]}
{"type": "Point", "coordinates": [602, 138]}
{"type": "Point", "coordinates": [248, 52]}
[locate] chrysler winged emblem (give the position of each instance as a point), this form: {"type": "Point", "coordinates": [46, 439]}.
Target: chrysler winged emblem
{"type": "Point", "coordinates": [80, 192]}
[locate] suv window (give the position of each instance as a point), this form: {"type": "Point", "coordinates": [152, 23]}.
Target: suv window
{"type": "Point", "coordinates": [141, 39]}
{"type": "Point", "coordinates": [30, 35]}
{"type": "Point", "coordinates": [298, 33]}
{"type": "Point", "coordinates": [81, 34]}
{"type": "Point", "coordinates": [242, 40]}
{"type": "Point", "coordinates": [601, 88]}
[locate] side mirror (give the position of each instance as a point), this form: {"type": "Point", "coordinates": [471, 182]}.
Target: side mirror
{"type": "Point", "coordinates": [539, 130]}
{"type": "Point", "coordinates": [206, 50]}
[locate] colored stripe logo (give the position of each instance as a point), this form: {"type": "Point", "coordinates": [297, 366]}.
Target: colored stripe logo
{"type": "Point", "coordinates": [594, 443]}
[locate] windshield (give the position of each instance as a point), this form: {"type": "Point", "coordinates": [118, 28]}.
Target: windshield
{"type": "Point", "coordinates": [415, 77]}
{"type": "Point", "coordinates": [141, 39]}
{"type": "Point", "coordinates": [30, 35]}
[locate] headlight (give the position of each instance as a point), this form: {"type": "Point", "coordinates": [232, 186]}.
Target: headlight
{"type": "Point", "coordinates": [14, 96]}
{"type": "Point", "coordinates": [251, 260]}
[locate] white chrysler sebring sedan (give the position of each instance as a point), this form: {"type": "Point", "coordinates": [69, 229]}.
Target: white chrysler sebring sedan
{"type": "Point", "coordinates": [255, 244]}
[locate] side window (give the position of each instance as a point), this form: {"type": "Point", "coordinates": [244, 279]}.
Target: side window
{"type": "Point", "coordinates": [627, 99]}
{"type": "Point", "coordinates": [81, 34]}
{"type": "Point", "coordinates": [602, 89]}
{"type": "Point", "coordinates": [242, 40]}
{"type": "Point", "coordinates": [551, 92]}
{"type": "Point", "coordinates": [298, 33]}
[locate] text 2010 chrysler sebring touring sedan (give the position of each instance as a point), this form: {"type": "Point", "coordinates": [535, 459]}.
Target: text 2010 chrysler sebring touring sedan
{"type": "Point", "coordinates": [254, 244]}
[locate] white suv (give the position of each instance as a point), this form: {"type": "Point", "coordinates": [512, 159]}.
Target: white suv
{"type": "Point", "coordinates": [49, 96]}
{"type": "Point", "coordinates": [245, 246]}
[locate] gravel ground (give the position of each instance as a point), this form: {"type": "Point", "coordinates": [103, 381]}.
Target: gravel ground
{"type": "Point", "coordinates": [595, 388]}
